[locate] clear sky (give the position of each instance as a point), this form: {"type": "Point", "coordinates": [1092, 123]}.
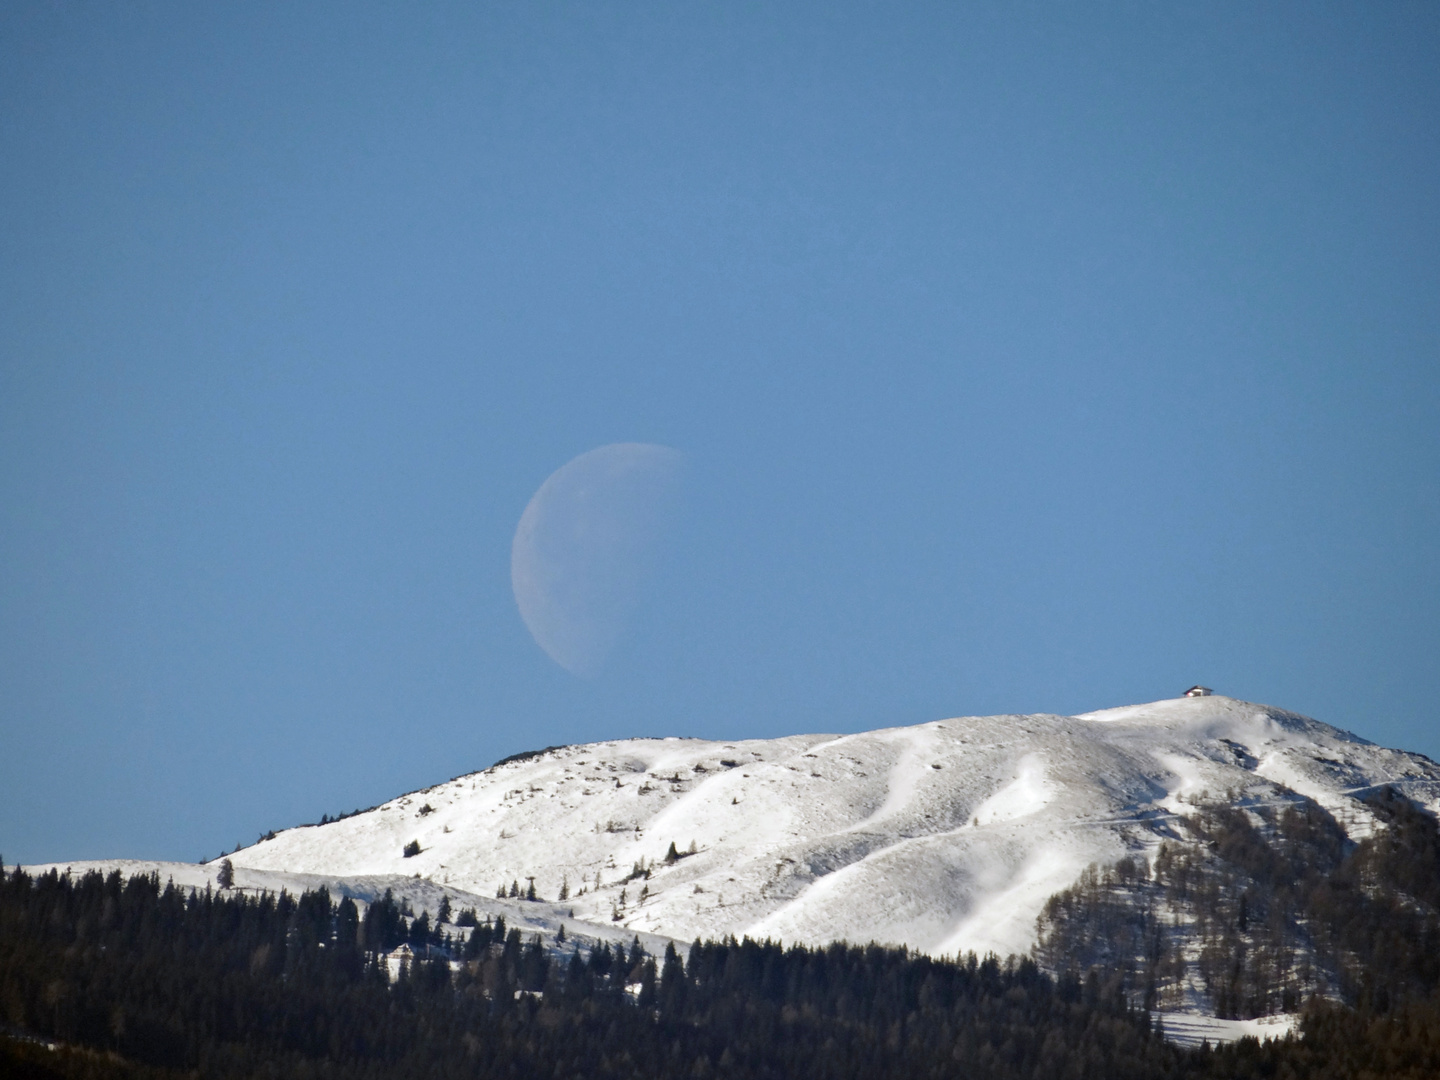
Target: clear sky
{"type": "Point", "coordinates": [1023, 358]}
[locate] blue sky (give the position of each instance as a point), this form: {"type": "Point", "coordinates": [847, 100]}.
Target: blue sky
{"type": "Point", "coordinates": [1024, 358]}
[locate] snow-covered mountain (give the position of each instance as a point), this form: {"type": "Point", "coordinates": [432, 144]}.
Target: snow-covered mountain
{"type": "Point", "coordinates": [946, 836]}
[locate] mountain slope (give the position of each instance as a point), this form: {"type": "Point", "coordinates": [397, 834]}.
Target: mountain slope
{"type": "Point", "coordinates": [946, 836]}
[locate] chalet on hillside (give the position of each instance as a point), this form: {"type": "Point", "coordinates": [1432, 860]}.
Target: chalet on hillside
{"type": "Point", "coordinates": [1199, 691]}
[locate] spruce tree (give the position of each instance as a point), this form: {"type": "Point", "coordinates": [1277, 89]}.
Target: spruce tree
{"type": "Point", "coordinates": [347, 924]}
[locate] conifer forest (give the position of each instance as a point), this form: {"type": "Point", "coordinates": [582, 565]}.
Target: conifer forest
{"type": "Point", "coordinates": [135, 978]}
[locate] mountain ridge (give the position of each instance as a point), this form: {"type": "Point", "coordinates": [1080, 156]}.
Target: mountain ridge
{"type": "Point", "coordinates": [943, 837]}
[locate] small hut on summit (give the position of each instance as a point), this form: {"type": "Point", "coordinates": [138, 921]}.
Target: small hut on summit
{"type": "Point", "coordinates": [1199, 691]}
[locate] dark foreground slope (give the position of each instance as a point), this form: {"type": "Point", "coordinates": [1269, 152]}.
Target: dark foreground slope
{"type": "Point", "coordinates": [137, 980]}
{"type": "Point", "coordinates": [236, 987]}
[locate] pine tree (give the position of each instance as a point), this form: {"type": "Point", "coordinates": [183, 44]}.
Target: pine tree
{"type": "Point", "coordinates": [226, 877]}
{"type": "Point", "coordinates": [347, 924]}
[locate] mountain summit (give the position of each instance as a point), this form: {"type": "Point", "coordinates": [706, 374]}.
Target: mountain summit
{"type": "Point", "coordinates": [944, 837]}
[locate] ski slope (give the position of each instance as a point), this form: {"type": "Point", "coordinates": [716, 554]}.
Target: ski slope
{"type": "Point", "coordinates": [944, 837]}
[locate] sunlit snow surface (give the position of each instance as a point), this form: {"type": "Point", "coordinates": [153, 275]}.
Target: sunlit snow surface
{"type": "Point", "coordinates": [944, 837]}
{"type": "Point", "coordinates": [1189, 1029]}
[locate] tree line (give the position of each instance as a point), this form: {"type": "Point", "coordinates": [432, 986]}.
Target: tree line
{"type": "Point", "coordinates": [134, 979]}
{"type": "Point", "coordinates": [148, 976]}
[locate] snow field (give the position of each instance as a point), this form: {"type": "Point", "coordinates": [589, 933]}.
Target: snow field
{"type": "Point", "coordinates": [945, 837]}
{"type": "Point", "coordinates": [942, 837]}
{"type": "Point", "coordinates": [1191, 1029]}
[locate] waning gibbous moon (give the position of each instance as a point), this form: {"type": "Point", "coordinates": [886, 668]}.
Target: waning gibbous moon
{"type": "Point", "coordinates": [585, 545]}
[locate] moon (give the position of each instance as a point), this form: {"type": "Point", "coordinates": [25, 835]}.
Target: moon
{"type": "Point", "coordinates": [586, 543]}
